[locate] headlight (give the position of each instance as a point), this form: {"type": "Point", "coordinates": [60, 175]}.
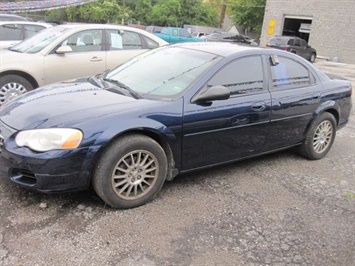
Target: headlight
{"type": "Point", "coordinates": [49, 139]}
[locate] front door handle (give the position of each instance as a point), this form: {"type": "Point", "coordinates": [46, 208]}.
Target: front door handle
{"type": "Point", "coordinates": [259, 106]}
{"type": "Point", "coordinates": [95, 59]}
{"type": "Point", "coordinates": [316, 96]}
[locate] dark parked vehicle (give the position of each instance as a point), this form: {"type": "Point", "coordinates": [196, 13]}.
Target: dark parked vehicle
{"type": "Point", "coordinates": [171, 110]}
{"type": "Point", "coordinates": [294, 45]}
{"type": "Point", "coordinates": [230, 37]}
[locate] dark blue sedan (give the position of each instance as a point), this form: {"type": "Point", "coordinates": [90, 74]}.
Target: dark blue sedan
{"type": "Point", "coordinates": [172, 110]}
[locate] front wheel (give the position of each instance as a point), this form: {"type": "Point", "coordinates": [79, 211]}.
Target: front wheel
{"type": "Point", "coordinates": [12, 86]}
{"type": "Point", "coordinates": [312, 59]}
{"type": "Point", "coordinates": [130, 172]}
{"type": "Point", "coordinates": [319, 138]}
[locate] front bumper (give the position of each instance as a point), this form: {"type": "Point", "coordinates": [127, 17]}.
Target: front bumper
{"type": "Point", "coordinates": [53, 171]}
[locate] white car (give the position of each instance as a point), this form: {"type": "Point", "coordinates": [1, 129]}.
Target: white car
{"type": "Point", "coordinates": [12, 32]}
{"type": "Point", "coordinates": [69, 51]}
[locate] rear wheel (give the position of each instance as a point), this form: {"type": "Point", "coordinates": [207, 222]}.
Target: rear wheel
{"type": "Point", "coordinates": [320, 137]}
{"type": "Point", "coordinates": [130, 172]}
{"type": "Point", "coordinates": [12, 86]}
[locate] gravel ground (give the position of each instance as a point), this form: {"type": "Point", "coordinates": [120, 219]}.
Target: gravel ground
{"type": "Point", "coordinates": [278, 209]}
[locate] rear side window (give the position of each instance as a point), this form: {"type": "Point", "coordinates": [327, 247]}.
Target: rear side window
{"type": "Point", "coordinates": [242, 76]}
{"type": "Point", "coordinates": [279, 41]}
{"type": "Point", "coordinates": [131, 40]}
{"type": "Point", "coordinates": [290, 74]}
{"type": "Point", "coordinates": [184, 33]}
{"type": "Point", "coordinates": [10, 32]}
{"type": "Point", "coordinates": [291, 42]}
{"type": "Point", "coordinates": [31, 30]}
{"type": "Point", "coordinates": [151, 44]}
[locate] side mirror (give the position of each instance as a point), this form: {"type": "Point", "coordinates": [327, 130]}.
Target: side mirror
{"type": "Point", "coordinates": [64, 49]}
{"type": "Point", "coordinates": [214, 93]}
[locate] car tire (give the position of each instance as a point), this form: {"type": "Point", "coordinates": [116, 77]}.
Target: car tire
{"type": "Point", "coordinates": [12, 86]}
{"type": "Point", "coordinates": [130, 172]}
{"type": "Point", "coordinates": [319, 137]}
{"type": "Point", "coordinates": [312, 59]}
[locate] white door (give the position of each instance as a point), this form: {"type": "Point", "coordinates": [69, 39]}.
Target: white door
{"type": "Point", "coordinates": [86, 59]}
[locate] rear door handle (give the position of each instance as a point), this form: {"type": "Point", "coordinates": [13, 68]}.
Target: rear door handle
{"type": "Point", "coordinates": [259, 106]}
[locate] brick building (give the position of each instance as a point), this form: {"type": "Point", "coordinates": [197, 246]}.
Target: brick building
{"type": "Point", "coordinates": [327, 25]}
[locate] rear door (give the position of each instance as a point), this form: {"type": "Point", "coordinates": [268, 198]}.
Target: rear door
{"type": "Point", "coordinates": [295, 98]}
{"type": "Point", "coordinates": [123, 46]}
{"type": "Point", "coordinates": [228, 129]}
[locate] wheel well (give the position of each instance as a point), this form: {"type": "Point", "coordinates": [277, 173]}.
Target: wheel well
{"type": "Point", "coordinates": [161, 141]}
{"type": "Point", "coordinates": [334, 113]}
{"type": "Point", "coordinates": [25, 75]}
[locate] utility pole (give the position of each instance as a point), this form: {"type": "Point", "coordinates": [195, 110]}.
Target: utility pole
{"type": "Point", "coordinates": [123, 6]}
{"type": "Point", "coordinates": [223, 13]}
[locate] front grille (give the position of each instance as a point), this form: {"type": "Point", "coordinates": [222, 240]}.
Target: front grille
{"type": "Point", "coordinates": [1, 142]}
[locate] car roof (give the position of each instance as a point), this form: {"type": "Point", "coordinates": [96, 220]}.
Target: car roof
{"type": "Point", "coordinates": [47, 25]}
{"type": "Point", "coordinates": [11, 17]}
{"type": "Point", "coordinates": [285, 37]}
{"type": "Point", "coordinates": [100, 26]}
{"type": "Point", "coordinates": [218, 48]}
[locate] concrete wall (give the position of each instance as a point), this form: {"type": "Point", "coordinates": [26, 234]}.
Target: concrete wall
{"type": "Point", "coordinates": [333, 25]}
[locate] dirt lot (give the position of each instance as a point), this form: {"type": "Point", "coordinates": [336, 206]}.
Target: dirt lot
{"type": "Point", "coordinates": [279, 209]}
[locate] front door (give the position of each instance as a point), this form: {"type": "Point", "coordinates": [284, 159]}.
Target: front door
{"type": "Point", "coordinates": [87, 58]}
{"type": "Point", "coordinates": [229, 129]}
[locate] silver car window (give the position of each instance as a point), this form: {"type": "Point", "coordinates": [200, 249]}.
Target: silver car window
{"type": "Point", "coordinates": [37, 42]}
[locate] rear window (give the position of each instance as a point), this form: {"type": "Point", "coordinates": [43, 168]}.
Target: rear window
{"type": "Point", "coordinates": [279, 41]}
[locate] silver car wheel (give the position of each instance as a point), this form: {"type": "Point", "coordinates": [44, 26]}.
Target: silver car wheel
{"type": "Point", "coordinates": [323, 136]}
{"type": "Point", "coordinates": [10, 91]}
{"type": "Point", "coordinates": [135, 174]}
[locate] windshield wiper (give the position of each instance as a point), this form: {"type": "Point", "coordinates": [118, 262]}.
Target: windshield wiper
{"type": "Point", "coordinates": [120, 85]}
{"type": "Point", "coordinates": [98, 80]}
{"type": "Point", "coordinates": [14, 50]}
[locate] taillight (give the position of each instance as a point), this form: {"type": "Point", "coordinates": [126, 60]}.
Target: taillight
{"type": "Point", "coordinates": [351, 90]}
{"type": "Point", "coordinates": [286, 48]}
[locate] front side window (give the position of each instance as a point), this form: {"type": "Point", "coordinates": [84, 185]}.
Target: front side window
{"type": "Point", "coordinates": [289, 74]}
{"type": "Point", "coordinates": [85, 41]}
{"type": "Point", "coordinates": [241, 76]}
{"type": "Point", "coordinates": [297, 42]}
{"type": "Point", "coordinates": [304, 44]}
{"type": "Point", "coordinates": [10, 32]}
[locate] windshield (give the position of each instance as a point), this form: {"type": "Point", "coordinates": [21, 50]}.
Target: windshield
{"type": "Point", "coordinates": [164, 72]}
{"type": "Point", "coordinates": [37, 42]}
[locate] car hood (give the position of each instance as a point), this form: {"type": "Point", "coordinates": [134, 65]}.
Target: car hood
{"type": "Point", "coordinates": [66, 104]}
